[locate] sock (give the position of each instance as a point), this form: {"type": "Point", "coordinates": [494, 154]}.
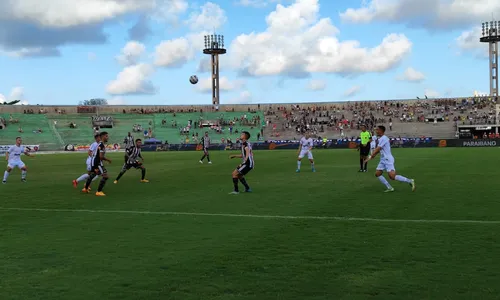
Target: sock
{"type": "Point", "coordinates": [89, 180]}
{"type": "Point", "coordinates": [402, 179]}
{"type": "Point", "coordinates": [361, 163]}
{"type": "Point", "coordinates": [298, 164]}
{"type": "Point", "coordinates": [120, 175]}
{"type": "Point", "coordinates": [312, 166]}
{"type": "Point", "coordinates": [208, 158]}
{"type": "Point", "coordinates": [384, 182]}
{"type": "Point", "coordinates": [23, 174]}
{"type": "Point", "coordinates": [202, 158]}
{"type": "Point", "coordinates": [143, 174]}
{"type": "Point", "coordinates": [5, 175]}
{"type": "Point", "coordinates": [244, 182]}
{"type": "Point", "coordinates": [82, 178]}
{"type": "Point", "coordinates": [235, 183]}
{"type": "Point", "coordinates": [365, 166]}
{"type": "Point", "coordinates": [95, 178]}
{"type": "Point", "coordinates": [101, 184]}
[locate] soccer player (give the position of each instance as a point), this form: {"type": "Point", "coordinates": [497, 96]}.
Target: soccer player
{"type": "Point", "coordinates": [387, 162]}
{"type": "Point", "coordinates": [98, 166]}
{"type": "Point", "coordinates": [364, 148]}
{"type": "Point", "coordinates": [373, 143]}
{"type": "Point", "coordinates": [13, 157]}
{"type": "Point", "coordinates": [205, 141]}
{"type": "Point", "coordinates": [91, 152]}
{"type": "Point", "coordinates": [129, 143]}
{"type": "Point", "coordinates": [305, 147]}
{"type": "Point", "coordinates": [246, 166]}
{"type": "Point", "coordinates": [134, 154]}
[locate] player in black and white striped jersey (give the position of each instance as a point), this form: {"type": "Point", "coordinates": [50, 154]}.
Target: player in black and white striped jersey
{"type": "Point", "coordinates": [246, 166]}
{"type": "Point", "coordinates": [129, 143]}
{"type": "Point", "coordinates": [205, 142]}
{"type": "Point", "coordinates": [98, 168]}
{"type": "Point", "coordinates": [134, 154]}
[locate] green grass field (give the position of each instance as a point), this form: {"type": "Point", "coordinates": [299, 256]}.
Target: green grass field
{"type": "Point", "coordinates": [56, 243]}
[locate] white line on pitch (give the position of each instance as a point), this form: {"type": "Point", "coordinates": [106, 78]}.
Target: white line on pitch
{"type": "Point", "coordinates": [173, 213]}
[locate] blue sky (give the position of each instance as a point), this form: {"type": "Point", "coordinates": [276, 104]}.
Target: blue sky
{"type": "Point", "coordinates": [142, 52]}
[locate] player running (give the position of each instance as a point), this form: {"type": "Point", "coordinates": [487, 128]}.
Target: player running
{"type": "Point", "coordinates": [129, 143]}
{"type": "Point", "coordinates": [98, 166]}
{"type": "Point", "coordinates": [133, 155]}
{"type": "Point", "coordinates": [88, 162]}
{"type": "Point", "coordinates": [13, 157]}
{"type": "Point", "coordinates": [246, 166]}
{"type": "Point", "coordinates": [305, 147]}
{"type": "Point", "coordinates": [373, 143]}
{"type": "Point", "coordinates": [205, 142]}
{"type": "Point", "coordinates": [387, 162]}
{"type": "Point", "coordinates": [364, 148]}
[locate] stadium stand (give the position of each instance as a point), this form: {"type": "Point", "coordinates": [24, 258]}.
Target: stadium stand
{"type": "Point", "coordinates": [54, 127]}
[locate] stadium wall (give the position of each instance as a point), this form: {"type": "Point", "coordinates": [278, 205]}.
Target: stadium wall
{"type": "Point", "coordinates": [74, 109]}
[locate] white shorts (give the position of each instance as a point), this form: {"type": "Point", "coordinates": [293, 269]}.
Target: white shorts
{"type": "Point", "coordinates": [386, 166]}
{"type": "Point", "coordinates": [89, 167]}
{"type": "Point", "coordinates": [15, 164]}
{"type": "Point", "coordinates": [304, 152]}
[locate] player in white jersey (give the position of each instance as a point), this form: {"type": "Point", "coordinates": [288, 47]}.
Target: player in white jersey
{"type": "Point", "coordinates": [13, 157]}
{"type": "Point", "coordinates": [91, 154]}
{"type": "Point", "coordinates": [387, 162]}
{"type": "Point", "coordinates": [305, 148]}
{"type": "Point", "coordinates": [373, 143]}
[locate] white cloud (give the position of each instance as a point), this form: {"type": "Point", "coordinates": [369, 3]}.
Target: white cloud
{"type": "Point", "coordinates": [245, 97]}
{"type": "Point", "coordinates": [176, 52]}
{"type": "Point", "coordinates": [257, 3]}
{"type": "Point", "coordinates": [211, 16]}
{"type": "Point", "coordinates": [173, 53]}
{"type": "Point", "coordinates": [133, 80]}
{"type": "Point", "coordinates": [35, 28]}
{"type": "Point", "coordinates": [28, 52]}
{"type": "Point", "coordinates": [316, 85]}
{"type": "Point", "coordinates": [432, 93]}
{"type": "Point", "coordinates": [432, 14]}
{"type": "Point", "coordinates": [117, 101]}
{"type": "Point", "coordinates": [131, 53]}
{"type": "Point", "coordinates": [225, 85]}
{"type": "Point", "coordinates": [67, 13]}
{"type": "Point", "coordinates": [412, 75]}
{"type": "Point", "coordinates": [352, 91]}
{"type": "Point", "coordinates": [296, 43]}
{"type": "Point", "coordinates": [468, 41]}
{"type": "Point", "coordinates": [205, 65]}
{"type": "Point", "coordinates": [17, 93]}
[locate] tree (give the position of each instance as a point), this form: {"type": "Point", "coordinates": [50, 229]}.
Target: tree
{"type": "Point", "coordinates": [11, 102]}
{"type": "Point", "coordinates": [94, 102]}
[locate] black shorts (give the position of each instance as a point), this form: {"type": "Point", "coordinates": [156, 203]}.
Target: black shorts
{"type": "Point", "coordinates": [364, 150]}
{"type": "Point", "coordinates": [99, 170]}
{"type": "Point", "coordinates": [244, 169]}
{"type": "Point", "coordinates": [135, 165]}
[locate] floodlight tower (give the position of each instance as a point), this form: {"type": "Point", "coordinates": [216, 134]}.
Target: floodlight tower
{"type": "Point", "coordinates": [490, 34]}
{"type": "Point", "coordinates": [214, 46]}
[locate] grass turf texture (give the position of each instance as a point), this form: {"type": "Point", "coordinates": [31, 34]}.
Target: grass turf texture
{"type": "Point", "coordinates": [85, 255]}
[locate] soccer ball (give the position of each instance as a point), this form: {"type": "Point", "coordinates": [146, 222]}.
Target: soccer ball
{"type": "Point", "coordinates": [193, 79]}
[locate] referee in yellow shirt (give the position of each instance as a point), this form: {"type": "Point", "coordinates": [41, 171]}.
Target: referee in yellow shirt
{"type": "Point", "coordinates": [364, 148]}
